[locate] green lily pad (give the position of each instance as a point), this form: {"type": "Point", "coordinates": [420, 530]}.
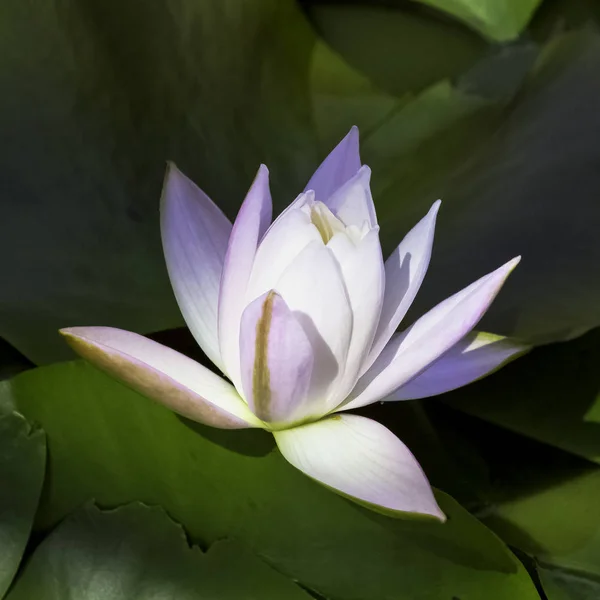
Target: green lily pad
{"type": "Point", "coordinates": [109, 443]}
{"type": "Point", "coordinates": [138, 552]}
{"type": "Point", "coordinates": [22, 463]}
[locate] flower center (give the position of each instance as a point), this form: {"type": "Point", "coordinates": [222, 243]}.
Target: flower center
{"type": "Point", "coordinates": [325, 221]}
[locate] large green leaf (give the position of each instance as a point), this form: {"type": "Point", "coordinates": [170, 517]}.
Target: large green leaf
{"type": "Point", "coordinates": [499, 20]}
{"type": "Point", "coordinates": [550, 395]}
{"type": "Point", "coordinates": [108, 92]}
{"type": "Point", "coordinates": [22, 462]}
{"type": "Point", "coordinates": [139, 552]}
{"type": "Point", "coordinates": [111, 444]}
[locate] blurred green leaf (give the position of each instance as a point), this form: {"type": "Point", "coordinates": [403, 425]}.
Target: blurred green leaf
{"type": "Point", "coordinates": [104, 97]}
{"type": "Point", "coordinates": [110, 90]}
{"type": "Point", "coordinates": [499, 20]}
{"type": "Point", "coordinates": [138, 552]}
{"type": "Point", "coordinates": [401, 51]}
{"type": "Point", "coordinates": [531, 188]}
{"type": "Point", "coordinates": [111, 444]}
{"type": "Point", "coordinates": [547, 395]}
{"type": "Point", "coordinates": [560, 585]}
{"type": "Point", "coordinates": [22, 462]}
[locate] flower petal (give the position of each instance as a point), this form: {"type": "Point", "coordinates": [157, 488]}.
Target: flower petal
{"type": "Point", "coordinates": [313, 288]}
{"type": "Point", "coordinates": [194, 236]}
{"type": "Point", "coordinates": [342, 163]}
{"type": "Point", "coordinates": [178, 382]}
{"type": "Point", "coordinates": [411, 352]}
{"type": "Point", "coordinates": [475, 356]}
{"type": "Point", "coordinates": [362, 460]}
{"type": "Point", "coordinates": [276, 360]}
{"type": "Point", "coordinates": [404, 273]}
{"type": "Point", "coordinates": [250, 225]}
{"type": "Point", "coordinates": [362, 269]}
{"type": "Point", "coordinates": [291, 232]}
{"type": "Point", "coordinates": [352, 203]}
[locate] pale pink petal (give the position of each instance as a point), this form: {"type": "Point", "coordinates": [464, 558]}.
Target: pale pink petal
{"type": "Point", "coordinates": [340, 165]}
{"type": "Point", "coordinates": [250, 225]}
{"type": "Point", "coordinates": [276, 360]}
{"type": "Point", "coordinates": [194, 235]}
{"type": "Point", "coordinates": [410, 353]}
{"type": "Point", "coordinates": [475, 356]}
{"type": "Point", "coordinates": [362, 460]}
{"type": "Point", "coordinates": [404, 273]}
{"type": "Point", "coordinates": [178, 382]}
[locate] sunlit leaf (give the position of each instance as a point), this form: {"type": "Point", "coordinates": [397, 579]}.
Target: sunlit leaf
{"type": "Point", "coordinates": [139, 552]}
{"type": "Point", "coordinates": [113, 445]}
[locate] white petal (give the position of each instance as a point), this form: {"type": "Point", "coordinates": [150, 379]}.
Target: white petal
{"type": "Point", "coordinates": [313, 288]}
{"type": "Point", "coordinates": [352, 203]}
{"type": "Point", "coordinates": [276, 360]}
{"type": "Point", "coordinates": [285, 239]}
{"type": "Point", "coordinates": [340, 165]}
{"type": "Point", "coordinates": [411, 352]}
{"type": "Point", "coordinates": [250, 225]}
{"type": "Point", "coordinates": [362, 460]}
{"type": "Point", "coordinates": [362, 269]}
{"type": "Point", "coordinates": [178, 382]}
{"type": "Point", "coordinates": [475, 356]}
{"type": "Point", "coordinates": [194, 236]}
{"type": "Point", "coordinates": [404, 273]}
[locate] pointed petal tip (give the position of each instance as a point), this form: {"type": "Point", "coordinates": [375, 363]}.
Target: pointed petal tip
{"type": "Point", "coordinates": [435, 207]}
{"type": "Point", "coordinates": [364, 174]}
{"type": "Point", "coordinates": [508, 267]}
{"type": "Point", "coordinates": [353, 135]}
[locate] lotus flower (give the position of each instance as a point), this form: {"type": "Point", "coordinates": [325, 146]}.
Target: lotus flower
{"type": "Point", "coordinates": [300, 316]}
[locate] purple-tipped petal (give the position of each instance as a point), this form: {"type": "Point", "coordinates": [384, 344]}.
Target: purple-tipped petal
{"type": "Point", "coordinates": [276, 360]}
{"type": "Point", "coordinates": [475, 356]}
{"type": "Point", "coordinates": [410, 353]}
{"type": "Point", "coordinates": [404, 273]}
{"type": "Point", "coordinates": [194, 235]}
{"type": "Point", "coordinates": [250, 225]}
{"type": "Point", "coordinates": [178, 382]}
{"type": "Point", "coordinates": [352, 203]}
{"type": "Point", "coordinates": [313, 287]}
{"type": "Point", "coordinates": [362, 460]}
{"type": "Point", "coordinates": [342, 163]}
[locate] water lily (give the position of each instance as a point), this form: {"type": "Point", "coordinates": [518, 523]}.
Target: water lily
{"type": "Point", "coordinates": [300, 315]}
